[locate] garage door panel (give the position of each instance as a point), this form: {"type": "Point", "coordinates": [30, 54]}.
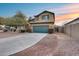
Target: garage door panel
{"type": "Point", "coordinates": [40, 29]}
{"type": "Point", "coordinates": [75, 31]}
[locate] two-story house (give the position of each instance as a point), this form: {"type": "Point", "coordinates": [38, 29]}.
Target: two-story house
{"type": "Point", "coordinates": [43, 22]}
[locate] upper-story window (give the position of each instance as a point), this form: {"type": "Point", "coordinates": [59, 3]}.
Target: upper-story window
{"type": "Point", "coordinates": [45, 17]}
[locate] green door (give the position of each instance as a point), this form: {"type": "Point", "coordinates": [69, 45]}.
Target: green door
{"type": "Point", "coordinates": [40, 29]}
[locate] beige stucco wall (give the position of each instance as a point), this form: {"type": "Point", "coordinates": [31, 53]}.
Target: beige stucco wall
{"type": "Point", "coordinates": [39, 19]}
{"type": "Point", "coordinates": [67, 29]}
{"type": "Point", "coordinates": [49, 25]}
{"type": "Point", "coordinates": [75, 31]}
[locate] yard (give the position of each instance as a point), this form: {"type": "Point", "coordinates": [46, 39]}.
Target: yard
{"type": "Point", "coordinates": [57, 44]}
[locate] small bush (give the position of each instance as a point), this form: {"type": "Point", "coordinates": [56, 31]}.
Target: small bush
{"type": "Point", "coordinates": [22, 31]}
{"type": "Point", "coordinates": [50, 31]}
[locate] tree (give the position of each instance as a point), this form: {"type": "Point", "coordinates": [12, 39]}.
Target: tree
{"type": "Point", "coordinates": [20, 18]}
{"type": "Point", "coordinates": [19, 14]}
{"type": "Point", "coordinates": [10, 21]}
{"type": "Point", "coordinates": [2, 20]}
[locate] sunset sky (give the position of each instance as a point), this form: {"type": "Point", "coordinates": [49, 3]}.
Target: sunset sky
{"type": "Point", "coordinates": [63, 11]}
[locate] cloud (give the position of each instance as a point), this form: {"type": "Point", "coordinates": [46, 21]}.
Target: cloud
{"type": "Point", "coordinates": [66, 12]}
{"type": "Point", "coordinates": [66, 9]}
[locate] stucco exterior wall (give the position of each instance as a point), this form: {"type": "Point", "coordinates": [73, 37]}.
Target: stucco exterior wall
{"type": "Point", "coordinates": [39, 18]}
{"type": "Point", "coordinates": [67, 29]}
{"type": "Point", "coordinates": [75, 31]}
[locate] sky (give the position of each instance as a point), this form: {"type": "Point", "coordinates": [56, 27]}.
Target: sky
{"type": "Point", "coordinates": [63, 11]}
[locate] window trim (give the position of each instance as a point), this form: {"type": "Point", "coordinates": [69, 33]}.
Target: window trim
{"type": "Point", "coordinates": [43, 17]}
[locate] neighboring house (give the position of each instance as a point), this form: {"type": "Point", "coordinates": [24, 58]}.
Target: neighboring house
{"type": "Point", "coordinates": [43, 22]}
{"type": "Point", "coordinates": [72, 28]}
{"type": "Point", "coordinates": [21, 28]}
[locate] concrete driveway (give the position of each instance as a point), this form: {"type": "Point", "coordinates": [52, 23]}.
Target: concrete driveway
{"type": "Point", "coordinates": [11, 45]}
{"type": "Point", "coordinates": [56, 44]}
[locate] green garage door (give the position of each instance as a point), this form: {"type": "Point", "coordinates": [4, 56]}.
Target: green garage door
{"type": "Point", "coordinates": [40, 29]}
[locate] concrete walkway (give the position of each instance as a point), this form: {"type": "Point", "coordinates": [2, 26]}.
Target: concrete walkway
{"type": "Point", "coordinates": [11, 45]}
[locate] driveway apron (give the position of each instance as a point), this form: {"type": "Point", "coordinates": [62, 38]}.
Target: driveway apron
{"type": "Point", "coordinates": [11, 45]}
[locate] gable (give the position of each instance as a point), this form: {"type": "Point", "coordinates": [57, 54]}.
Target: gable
{"type": "Point", "coordinates": [44, 12]}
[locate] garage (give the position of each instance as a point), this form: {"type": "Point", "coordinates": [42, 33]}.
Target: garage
{"type": "Point", "coordinates": [40, 29]}
{"type": "Point", "coordinates": [72, 28]}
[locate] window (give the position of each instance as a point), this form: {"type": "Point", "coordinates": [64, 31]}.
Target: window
{"type": "Point", "coordinates": [45, 17]}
